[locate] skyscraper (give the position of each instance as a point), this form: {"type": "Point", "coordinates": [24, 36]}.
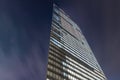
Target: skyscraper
{"type": "Point", "coordinates": [70, 57]}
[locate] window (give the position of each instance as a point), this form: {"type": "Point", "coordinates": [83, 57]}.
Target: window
{"type": "Point", "coordinates": [56, 10]}
{"type": "Point", "coordinates": [82, 43]}
{"type": "Point", "coordinates": [56, 31]}
{"type": "Point", "coordinates": [56, 17]}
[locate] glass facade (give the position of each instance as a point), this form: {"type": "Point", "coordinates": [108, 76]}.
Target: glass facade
{"type": "Point", "coordinates": [70, 57]}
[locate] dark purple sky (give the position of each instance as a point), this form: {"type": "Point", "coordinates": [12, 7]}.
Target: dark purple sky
{"type": "Point", "coordinates": [100, 23]}
{"type": "Point", "coordinates": [24, 35]}
{"type": "Point", "coordinates": [24, 39]}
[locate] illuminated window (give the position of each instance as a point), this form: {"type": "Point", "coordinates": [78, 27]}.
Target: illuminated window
{"type": "Point", "coordinates": [56, 10]}
{"type": "Point", "coordinates": [56, 17]}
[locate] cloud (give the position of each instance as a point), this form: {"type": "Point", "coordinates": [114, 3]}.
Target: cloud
{"type": "Point", "coordinates": [13, 67]}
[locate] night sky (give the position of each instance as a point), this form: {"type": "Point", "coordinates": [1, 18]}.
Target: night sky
{"type": "Point", "coordinates": [24, 39]}
{"type": "Point", "coordinates": [25, 29]}
{"type": "Point", "coordinates": [99, 21]}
